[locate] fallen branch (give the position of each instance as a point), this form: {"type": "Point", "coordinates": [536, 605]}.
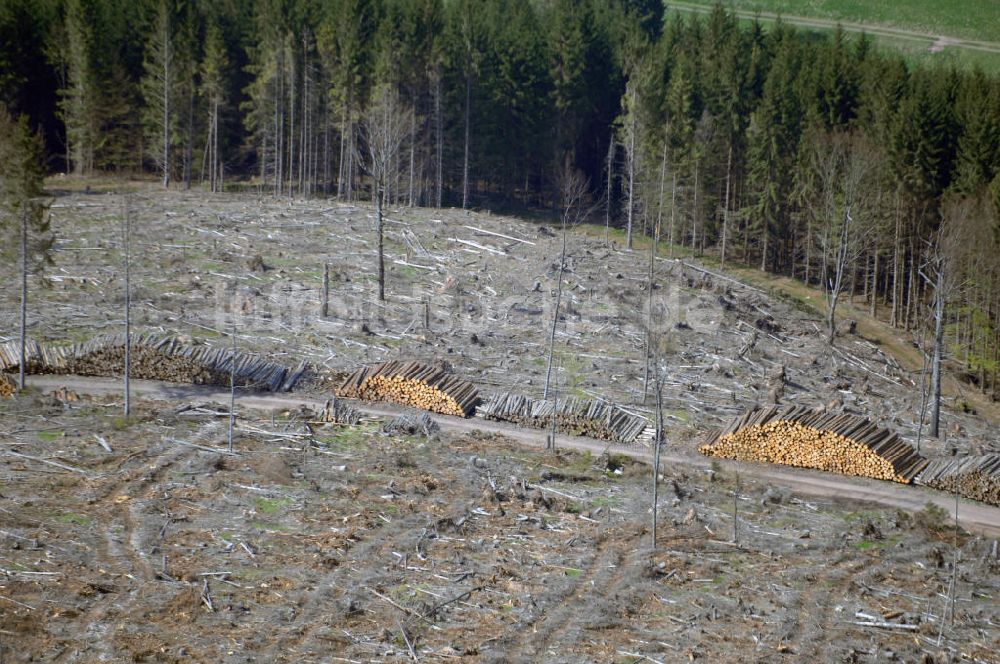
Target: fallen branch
{"type": "Point", "coordinates": [203, 448]}
{"type": "Point", "coordinates": [506, 237]}
{"type": "Point", "coordinates": [640, 656]}
{"type": "Point", "coordinates": [406, 639]}
{"type": "Point", "coordinates": [433, 610]}
{"type": "Point", "coordinates": [50, 463]}
{"type": "Point", "coordinates": [885, 625]}
{"type": "Point", "coordinates": [30, 608]}
{"type": "Point", "coordinates": [103, 443]}
{"type": "Point", "coordinates": [401, 607]}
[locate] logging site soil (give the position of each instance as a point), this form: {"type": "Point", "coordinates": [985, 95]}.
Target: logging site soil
{"type": "Point", "coordinates": [146, 540]}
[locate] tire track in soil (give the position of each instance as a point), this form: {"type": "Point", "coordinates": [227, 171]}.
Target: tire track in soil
{"type": "Point", "coordinates": [815, 613]}
{"type": "Point", "coordinates": [93, 620]}
{"type": "Point", "coordinates": [603, 576]}
{"type": "Point", "coordinates": [321, 601]}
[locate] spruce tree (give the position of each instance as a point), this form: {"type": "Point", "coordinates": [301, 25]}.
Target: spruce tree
{"type": "Point", "coordinates": [23, 213]}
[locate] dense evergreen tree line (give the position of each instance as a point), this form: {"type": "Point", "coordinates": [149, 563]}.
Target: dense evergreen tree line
{"type": "Point", "coordinates": [813, 157]}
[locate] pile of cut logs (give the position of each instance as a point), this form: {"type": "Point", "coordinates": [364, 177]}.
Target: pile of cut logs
{"type": "Point", "coordinates": [808, 438]}
{"type": "Point", "coordinates": [975, 477]}
{"type": "Point", "coordinates": [412, 384]}
{"type": "Point", "coordinates": [576, 417]}
{"type": "Point", "coordinates": [339, 412]}
{"type": "Point", "coordinates": [7, 386]}
{"type": "Point", "coordinates": [153, 358]}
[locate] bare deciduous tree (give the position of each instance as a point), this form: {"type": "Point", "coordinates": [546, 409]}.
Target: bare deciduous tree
{"type": "Point", "coordinates": [126, 231]}
{"type": "Point", "coordinates": [386, 125]}
{"type": "Point", "coordinates": [573, 188]}
{"type": "Point", "coordinates": [844, 164]}
{"type": "Point", "coordinates": [940, 272]}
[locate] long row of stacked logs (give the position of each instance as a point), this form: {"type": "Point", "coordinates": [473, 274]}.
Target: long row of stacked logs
{"type": "Point", "coordinates": [576, 417]}
{"type": "Point", "coordinates": [976, 477]}
{"type": "Point", "coordinates": [414, 384]}
{"type": "Point", "coordinates": [809, 438]}
{"type": "Point", "coordinates": [152, 358]}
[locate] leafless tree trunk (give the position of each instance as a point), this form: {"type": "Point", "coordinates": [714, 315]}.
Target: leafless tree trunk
{"type": "Point", "coordinates": [465, 158]}
{"type": "Point", "coordinates": [126, 255]}
{"type": "Point", "coordinates": [840, 266]}
{"type": "Point", "coordinates": [439, 142]}
{"type": "Point", "coordinates": [232, 383]}
{"type": "Point", "coordinates": [725, 206]}
{"type": "Point", "coordinates": [607, 201]}
{"type": "Point", "coordinates": [896, 270]}
{"type": "Point", "coordinates": [649, 281]}
{"type": "Point", "coordinates": [631, 156]}
{"type": "Point", "coordinates": [940, 270]}
{"type": "Point", "coordinates": [167, 61]}
{"type": "Point", "coordinates": [411, 200]}
{"type": "Point", "coordinates": [673, 210]}
{"type": "Point", "coordinates": [574, 189]}
{"type": "Point", "coordinates": [386, 127]}
{"type": "Point", "coordinates": [657, 446]}
{"type": "Point", "coordinates": [291, 122]}
{"type": "Point", "coordinates": [24, 297]}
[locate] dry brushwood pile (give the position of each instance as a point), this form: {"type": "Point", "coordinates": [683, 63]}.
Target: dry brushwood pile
{"type": "Point", "coordinates": [7, 386]}
{"type": "Point", "coordinates": [153, 358]}
{"type": "Point", "coordinates": [975, 477]}
{"type": "Point", "coordinates": [414, 384]}
{"type": "Point", "coordinates": [577, 417]}
{"type": "Point", "coordinates": [807, 438]}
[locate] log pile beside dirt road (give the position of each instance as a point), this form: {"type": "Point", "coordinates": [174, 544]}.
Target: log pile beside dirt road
{"type": "Point", "coordinates": [807, 438]}
{"type": "Point", "coordinates": [7, 386]}
{"type": "Point", "coordinates": [414, 384]}
{"type": "Point", "coordinates": [975, 477]}
{"type": "Point", "coordinates": [576, 417]}
{"type": "Point", "coordinates": [153, 358]}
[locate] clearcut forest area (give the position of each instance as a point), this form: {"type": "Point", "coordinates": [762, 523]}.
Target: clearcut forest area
{"type": "Point", "coordinates": [491, 331]}
{"type": "Point", "coordinates": [316, 540]}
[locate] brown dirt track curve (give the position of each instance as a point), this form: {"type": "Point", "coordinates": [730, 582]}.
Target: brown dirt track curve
{"type": "Point", "coordinates": [972, 516]}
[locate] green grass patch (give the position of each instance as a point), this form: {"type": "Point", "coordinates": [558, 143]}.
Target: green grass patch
{"type": "Point", "coordinates": [347, 438]}
{"type": "Point", "coordinates": [272, 505]}
{"type": "Point", "coordinates": [909, 28]}
{"type": "Point", "coordinates": [72, 519]}
{"type": "Point", "coordinates": [50, 436]}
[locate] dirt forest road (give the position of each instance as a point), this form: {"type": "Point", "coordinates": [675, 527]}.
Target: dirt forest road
{"type": "Point", "coordinates": [972, 516]}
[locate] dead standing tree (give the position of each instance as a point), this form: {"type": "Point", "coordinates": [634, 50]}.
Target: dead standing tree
{"type": "Point", "coordinates": [845, 164]}
{"type": "Point", "coordinates": [385, 127]}
{"type": "Point", "coordinates": [126, 231]}
{"type": "Point", "coordinates": [573, 190]}
{"type": "Point", "coordinates": [940, 273]}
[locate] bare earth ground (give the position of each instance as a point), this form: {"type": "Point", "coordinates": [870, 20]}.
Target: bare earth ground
{"type": "Point", "coordinates": [345, 544]}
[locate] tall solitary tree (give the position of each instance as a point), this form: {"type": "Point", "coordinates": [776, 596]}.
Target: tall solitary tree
{"type": "Point", "coordinates": [21, 207]}
{"type": "Point", "coordinates": [385, 127]}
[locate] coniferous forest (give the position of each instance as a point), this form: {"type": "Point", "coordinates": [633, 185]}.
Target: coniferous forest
{"type": "Point", "coordinates": [816, 157]}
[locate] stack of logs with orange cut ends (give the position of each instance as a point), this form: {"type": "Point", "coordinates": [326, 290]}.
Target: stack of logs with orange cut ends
{"type": "Point", "coordinates": [7, 386]}
{"type": "Point", "coordinates": [412, 384]}
{"type": "Point", "coordinates": [807, 438]}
